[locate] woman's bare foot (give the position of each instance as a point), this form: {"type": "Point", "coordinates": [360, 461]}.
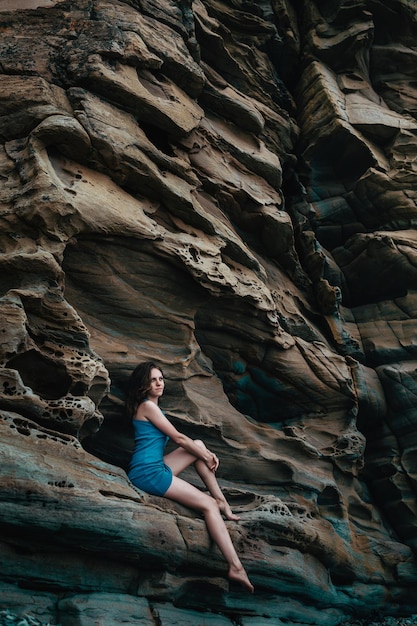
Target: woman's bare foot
{"type": "Point", "coordinates": [238, 574]}
{"type": "Point", "coordinates": [227, 511]}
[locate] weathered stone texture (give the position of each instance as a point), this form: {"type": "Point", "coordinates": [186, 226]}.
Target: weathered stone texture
{"type": "Point", "coordinates": [229, 189]}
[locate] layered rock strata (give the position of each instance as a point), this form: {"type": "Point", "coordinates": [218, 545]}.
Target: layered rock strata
{"type": "Point", "coordinates": [228, 189]}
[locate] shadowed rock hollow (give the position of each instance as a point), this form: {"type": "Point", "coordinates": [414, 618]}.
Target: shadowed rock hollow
{"type": "Point", "coordinates": [228, 188]}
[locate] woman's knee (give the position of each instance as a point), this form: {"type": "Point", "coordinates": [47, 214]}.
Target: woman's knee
{"type": "Point", "coordinates": [211, 504]}
{"type": "Point", "coordinates": [200, 444]}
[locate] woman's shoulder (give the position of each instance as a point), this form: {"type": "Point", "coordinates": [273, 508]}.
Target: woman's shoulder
{"type": "Point", "coordinates": [145, 409]}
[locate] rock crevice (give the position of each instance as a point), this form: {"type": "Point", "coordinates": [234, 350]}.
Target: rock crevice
{"type": "Point", "coordinates": [229, 190]}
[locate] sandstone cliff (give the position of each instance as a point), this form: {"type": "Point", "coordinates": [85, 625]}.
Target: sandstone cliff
{"type": "Point", "coordinates": [228, 188]}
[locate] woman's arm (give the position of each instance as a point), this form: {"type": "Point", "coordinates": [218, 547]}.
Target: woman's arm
{"type": "Point", "coordinates": [153, 413]}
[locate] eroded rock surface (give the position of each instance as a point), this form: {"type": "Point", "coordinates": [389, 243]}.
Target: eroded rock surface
{"type": "Point", "coordinates": [229, 189]}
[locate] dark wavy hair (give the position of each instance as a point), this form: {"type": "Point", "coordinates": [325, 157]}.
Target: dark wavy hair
{"type": "Point", "coordinates": [138, 386]}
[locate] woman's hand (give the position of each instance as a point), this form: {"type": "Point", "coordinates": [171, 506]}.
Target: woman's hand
{"type": "Point", "coordinates": [212, 462]}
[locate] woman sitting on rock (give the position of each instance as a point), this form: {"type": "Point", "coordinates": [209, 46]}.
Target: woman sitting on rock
{"type": "Point", "coordinates": [157, 474]}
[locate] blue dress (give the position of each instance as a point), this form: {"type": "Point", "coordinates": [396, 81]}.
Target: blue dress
{"type": "Point", "coordinates": [147, 469]}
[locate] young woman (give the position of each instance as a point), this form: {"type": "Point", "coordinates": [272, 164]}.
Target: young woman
{"type": "Point", "coordinates": [157, 474]}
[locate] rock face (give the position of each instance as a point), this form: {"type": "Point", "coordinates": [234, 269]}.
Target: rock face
{"type": "Point", "coordinates": [229, 189]}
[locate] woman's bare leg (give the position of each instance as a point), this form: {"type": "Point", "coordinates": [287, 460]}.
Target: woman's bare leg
{"type": "Point", "coordinates": [190, 496]}
{"type": "Point", "coordinates": [180, 459]}
{"type": "Point", "coordinates": [209, 479]}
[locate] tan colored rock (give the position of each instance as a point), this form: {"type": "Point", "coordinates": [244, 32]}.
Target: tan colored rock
{"type": "Point", "coordinates": [229, 190]}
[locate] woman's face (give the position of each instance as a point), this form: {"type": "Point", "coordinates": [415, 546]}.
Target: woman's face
{"type": "Point", "coordinates": [156, 384]}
